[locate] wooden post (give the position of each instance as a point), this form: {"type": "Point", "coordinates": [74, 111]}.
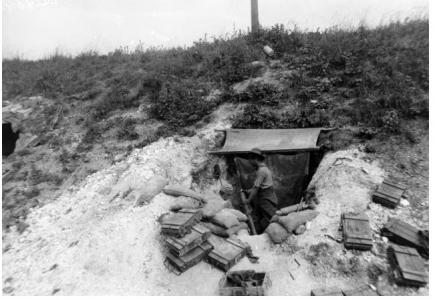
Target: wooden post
{"type": "Point", "coordinates": [255, 23]}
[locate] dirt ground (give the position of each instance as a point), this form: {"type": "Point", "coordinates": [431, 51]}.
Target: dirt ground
{"type": "Point", "coordinates": [93, 240]}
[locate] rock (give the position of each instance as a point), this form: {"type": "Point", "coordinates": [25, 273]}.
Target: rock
{"type": "Point", "coordinates": [385, 239]}
{"type": "Point", "coordinates": [404, 202]}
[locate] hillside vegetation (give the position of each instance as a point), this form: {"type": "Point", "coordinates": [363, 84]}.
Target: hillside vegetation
{"type": "Point", "coordinates": [376, 79]}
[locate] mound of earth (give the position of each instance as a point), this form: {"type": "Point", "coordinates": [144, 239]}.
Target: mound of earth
{"type": "Point", "coordinates": [94, 240]}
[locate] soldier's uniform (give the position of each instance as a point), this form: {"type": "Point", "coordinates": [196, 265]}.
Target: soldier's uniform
{"type": "Point", "coordinates": [266, 202]}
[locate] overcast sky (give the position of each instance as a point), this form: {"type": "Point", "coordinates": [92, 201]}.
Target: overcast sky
{"type": "Point", "coordinates": [36, 28]}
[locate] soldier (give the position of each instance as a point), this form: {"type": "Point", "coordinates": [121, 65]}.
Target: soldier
{"type": "Point", "coordinates": [265, 202]}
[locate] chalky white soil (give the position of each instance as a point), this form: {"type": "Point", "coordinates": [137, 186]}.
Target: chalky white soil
{"type": "Point", "coordinates": [92, 240]}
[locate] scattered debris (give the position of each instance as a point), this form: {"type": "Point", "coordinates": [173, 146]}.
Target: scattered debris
{"type": "Point", "coordinates": [73, 244]}
{"type": "Point", "coordinates": [51, 268]}
{"type": "Point", "coordinates": [55, 291]}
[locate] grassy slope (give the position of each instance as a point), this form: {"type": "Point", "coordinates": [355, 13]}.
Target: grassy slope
{"type": "Point", "coordinates": [376, 79]}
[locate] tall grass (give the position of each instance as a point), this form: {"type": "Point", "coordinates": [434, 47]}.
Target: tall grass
{"type": "Point", "coordinates": [375, 70]}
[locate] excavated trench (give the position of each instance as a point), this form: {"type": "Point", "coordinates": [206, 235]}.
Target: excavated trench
{"type": "Point", "coordinates": [290, 190]}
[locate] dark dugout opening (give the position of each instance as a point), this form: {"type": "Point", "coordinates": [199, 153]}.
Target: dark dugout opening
{"type": "Point", "coordinates": [292, 168]}
{"type": "Point", "coordinates": [9, 139]}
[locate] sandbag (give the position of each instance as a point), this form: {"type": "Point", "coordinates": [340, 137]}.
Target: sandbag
{"type": "Point", "coordinates": [300, 229]}
{"type": "Point", "coordinates": [277, 233]}
{"type": "Point", "coordinates": [178, 190]}
{"type": "Point", "coordinates": [216, 229]}
{"type": "Point", "coordinates": [240, 216]}
{"type": "Point", "coordinates": [236, 229]}
{"type": "Point", "coordinates": [292, 208]}
{"type": "Point", "coordinates": [293, 220]}
{"type": "Point", "coordinates": [214, 203]}
{"type": "Point", "coordinates": [226, 190]}
{"type": "Point", "coordinates": [185, 202]}
{"type": "Point", "coordinates": [150, 189]}
{"type": "Point", "coordinates": [225, 219]}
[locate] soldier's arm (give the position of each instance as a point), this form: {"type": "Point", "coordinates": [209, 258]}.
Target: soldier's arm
{"type": "Point", "coordinates": [254, 191]}
{"type": "Point", "coordinates": [252, 194]}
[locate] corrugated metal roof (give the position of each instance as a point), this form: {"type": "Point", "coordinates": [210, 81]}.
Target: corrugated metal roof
{"type": "Point", "coordinates": [270, 140]}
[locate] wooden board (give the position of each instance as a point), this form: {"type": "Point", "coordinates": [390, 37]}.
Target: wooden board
{"type": "Point", "coordinates": [408, 266]}
{"type": "Point", "coordinates": [180, 246]}
{"type": "Point", "coordinates": [357, 233]}
{"type": "Point", "coordinates": [180, 223]}
{"type": "Point", "coordinates": [226, 252]}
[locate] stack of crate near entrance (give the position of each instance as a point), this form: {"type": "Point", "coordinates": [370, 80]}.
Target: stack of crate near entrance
{"type": "Point", "coordinates": [186, 240]}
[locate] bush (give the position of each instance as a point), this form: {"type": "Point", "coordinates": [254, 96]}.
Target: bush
{"type": "Point", "coordinates": [181, 103]}
{"type": "Point", "coordinates": [126, 130]}
{"type": "Point", "coordinates": [263, 93]}
{"type": "Point", "coordinates": [391, 122]}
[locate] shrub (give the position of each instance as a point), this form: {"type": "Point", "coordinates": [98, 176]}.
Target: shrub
{"type": "Point", "coordinates": [391, 122]}
{"type": "Point", "coordinates": [263, 93]}
{"type": "Point", "coordinates": [126, 130]}
{"type": "Point", "coordinates": [181, 103]}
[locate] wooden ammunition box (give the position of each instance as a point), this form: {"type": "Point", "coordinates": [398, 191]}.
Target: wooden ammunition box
{"type": "Point", "coordinates": [388, 194]}
{"type": "Point", "coordinates": [180, 246]}
{"type": "Point", "coordinates": [364, 290]}
{"type": "Point", "coordinates": [401, 233]}
{"type": "Point", "coordinates": [408, 267]}
{"type": "Point", "coordinates": [333, 291]}
{"type": "Point", "coordinates": [180, 264]}
{"type": "Point", "coordinates": [357, 233]}
{"type": "Point", "coordinates": [226, 252]}
{"type": "Point", "coordinates": [180, 223]}
{"type": "Point", "coordinates": [255, 287]}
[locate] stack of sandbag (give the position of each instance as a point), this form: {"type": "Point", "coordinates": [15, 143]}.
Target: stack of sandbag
{"type": "Point", "coordinates": [283, 226]}
{"type": "Point", "coordinates": [217, 214]}
{"type": "Point", "coordinates": [227, 222]}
